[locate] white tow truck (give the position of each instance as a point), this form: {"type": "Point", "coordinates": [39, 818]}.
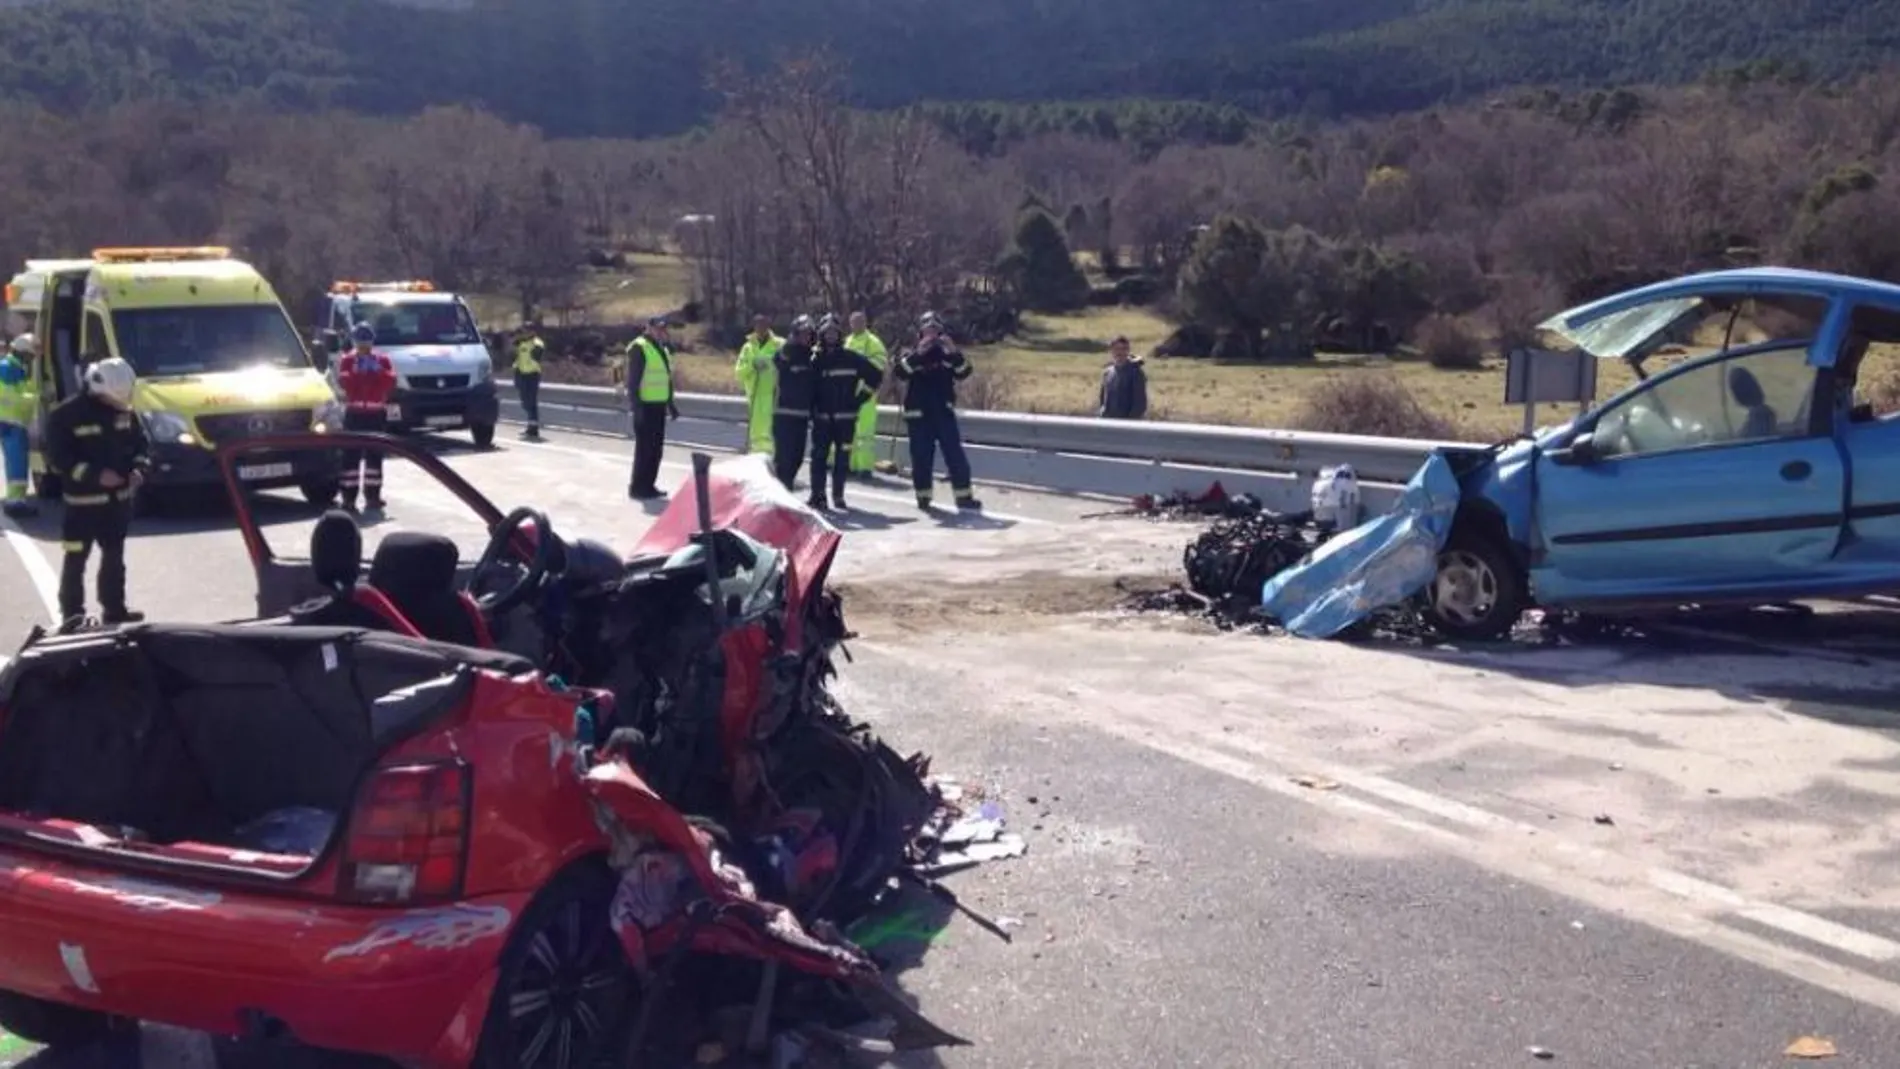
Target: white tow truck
{"type": "Point", "coordinates": [445, 377]}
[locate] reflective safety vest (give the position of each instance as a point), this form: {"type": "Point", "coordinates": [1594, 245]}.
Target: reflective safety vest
{"type": "Point", "coordinates": [528, 355]}
{"type": "Point", "coordinates": [871, 347]}
{"type": "Point", "coordinates": [16, 391]}
{"type": "Point", "coordinates": [656, 374]}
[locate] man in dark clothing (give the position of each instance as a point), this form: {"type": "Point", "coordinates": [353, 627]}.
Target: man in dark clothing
{"type": "Point", "coordinates": [1124, 384]}
{"type": "Point", "coordinates": [98, 448]}
{"type": "Point", "coordinates": [843, 379]}
{"type": "Point", "coordinates": [930, 371]}
{"type": "Point", "coordinates": [649, 374]}
{"type": "Point", "coordinates": [791, 412]}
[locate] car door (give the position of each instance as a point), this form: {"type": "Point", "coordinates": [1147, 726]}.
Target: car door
{"type": "Point", "coordinates": [1723, 475]}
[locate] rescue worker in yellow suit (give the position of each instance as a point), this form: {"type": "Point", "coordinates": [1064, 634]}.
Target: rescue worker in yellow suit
{"type": "Point", "coordinates": [758, 380]}
{"type": "Point", "coordinates": [17, 404]}
{"type": "Point", "coordinates": [864, 443]}
{"type": "Point", "coordinates": [529, 349]}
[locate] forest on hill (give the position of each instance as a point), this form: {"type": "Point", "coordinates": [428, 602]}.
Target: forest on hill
{"type": "Point", "coordinates": [606, 68]}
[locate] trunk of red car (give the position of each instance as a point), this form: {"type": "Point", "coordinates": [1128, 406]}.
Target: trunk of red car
{"type": "Point", "coordinates": [234, 746]}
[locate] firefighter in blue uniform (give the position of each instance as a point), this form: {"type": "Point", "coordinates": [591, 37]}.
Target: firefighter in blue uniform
{"type": "Point", "coordinates": [930, 371]}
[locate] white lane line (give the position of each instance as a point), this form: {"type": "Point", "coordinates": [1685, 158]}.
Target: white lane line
{"type": "Point", "coordinates": [1807, 926]}
{"type": "Point", "coordinates": [1642, 902]}
{"type": "Point", "coordinates": [37, 570]}
{"type": "Point", "coordinates": [874, 495]}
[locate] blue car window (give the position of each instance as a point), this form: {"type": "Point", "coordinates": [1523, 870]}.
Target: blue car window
{"type": "Point", "coordinates": [1749, 397]}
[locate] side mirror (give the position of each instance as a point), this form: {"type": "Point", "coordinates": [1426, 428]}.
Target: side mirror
{"type": "Point", "coordinates": [1581, 452]}
{"type": "Point", "coordinates": [320, 358]}
{"type": "Point", "coordinates": [332, 342]}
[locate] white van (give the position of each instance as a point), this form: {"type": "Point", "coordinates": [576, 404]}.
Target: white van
{"type": "Point", "coordinates": [445, 377]}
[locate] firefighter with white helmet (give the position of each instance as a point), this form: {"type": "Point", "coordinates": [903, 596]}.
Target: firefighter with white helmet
{"type": "Point", "coordinates": [97, 446]}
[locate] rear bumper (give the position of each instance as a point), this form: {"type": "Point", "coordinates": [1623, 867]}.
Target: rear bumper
{"type": "Point", "coordinates": [445, 409]}
{"type": "Point", "coordinates": [175, 465]}
{"type": "Point", "coordinates": [409, 985]}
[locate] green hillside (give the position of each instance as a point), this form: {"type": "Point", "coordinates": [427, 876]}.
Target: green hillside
{"type": "Point", "coordinates": [616, 67]}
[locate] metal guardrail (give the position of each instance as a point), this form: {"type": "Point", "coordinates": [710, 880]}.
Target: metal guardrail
{"type": "Point", "coordinates": [1387, 460]}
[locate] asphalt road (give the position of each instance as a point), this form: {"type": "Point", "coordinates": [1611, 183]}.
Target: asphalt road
{"type": "Point", "coordinates": [1260, 852]}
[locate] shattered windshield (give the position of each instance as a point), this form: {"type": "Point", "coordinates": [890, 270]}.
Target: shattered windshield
{"type": "Point", "coordinates": [1621, 333]}
{"type": "Point", "coordinates": [418, 322]}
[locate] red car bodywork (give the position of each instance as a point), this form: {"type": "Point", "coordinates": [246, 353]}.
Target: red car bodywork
{"type": "Point", "coordinates": [227, 941]}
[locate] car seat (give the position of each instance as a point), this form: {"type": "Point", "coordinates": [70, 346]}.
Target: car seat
{"type": "Point", "coordinates": [336, 562]}
{"type": "Point", "coordinates": [417, 572]}
{"type": "Point", "coordinates": [1746, 389]}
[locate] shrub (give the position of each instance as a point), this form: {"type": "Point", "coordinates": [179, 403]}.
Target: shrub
{"type": "Point", "coordinates": [988, 389]}
{"type": "Point", "coordinates": [1367, 403]}
{"type": "Point", "coordinates": [1448, 343]}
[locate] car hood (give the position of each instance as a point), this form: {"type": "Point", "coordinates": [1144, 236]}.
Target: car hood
{"type": "Point", "coordinates": [233, 391]}
{"type": "Point", "coordinates": [435, 359]}
{"type": "Point", "coordinates": [747, 497]}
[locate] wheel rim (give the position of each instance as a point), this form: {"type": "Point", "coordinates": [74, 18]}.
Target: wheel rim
{"type": "Point", "coordinates": [1465, 590]}
{"type": "Point", "coordinates": [570, 989]}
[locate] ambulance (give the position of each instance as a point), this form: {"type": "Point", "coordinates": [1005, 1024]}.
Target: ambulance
{"type": "Point", "coordinates": [445, 377]}
{"type": "Point", "coordinates": [218, 359]}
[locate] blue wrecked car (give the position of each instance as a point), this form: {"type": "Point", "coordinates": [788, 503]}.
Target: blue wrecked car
{"type": "Point", "coordinates": [1741, 468]}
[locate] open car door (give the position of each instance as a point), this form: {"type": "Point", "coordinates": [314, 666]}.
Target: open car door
{"type": "Point", "coordinates": [276, 530]}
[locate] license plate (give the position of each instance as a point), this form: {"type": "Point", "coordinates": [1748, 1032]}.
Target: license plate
{"type": "Point", "coordinates": [443, 421]}
{"type": "Point", "coordinates": [264, 471]}
{"type": "Point", "coordinates": [393, 411]}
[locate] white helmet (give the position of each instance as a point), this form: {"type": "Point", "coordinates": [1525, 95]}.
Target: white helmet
{"type": "Point", "coordinates": [111, 379]}
{"type": "Point", "coordinates": [25, 345]}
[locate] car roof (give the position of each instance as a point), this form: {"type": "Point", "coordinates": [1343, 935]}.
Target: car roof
{"type": "Point", "coordinates": [179, 284]}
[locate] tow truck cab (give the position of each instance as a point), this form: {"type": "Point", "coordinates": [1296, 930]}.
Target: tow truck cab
{"type": "Point", "coordinates": [218, 359]}
{"type": "Point", "coordinates": [445, 377]}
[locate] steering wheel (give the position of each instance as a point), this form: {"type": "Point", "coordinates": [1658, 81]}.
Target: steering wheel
{"type": "Point", "coordinates": [503, 548]}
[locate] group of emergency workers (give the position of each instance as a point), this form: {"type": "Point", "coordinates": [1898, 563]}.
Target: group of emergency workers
{"type": "Point", "coordinates": [96, 446]}
{"type": "Point", "coordinates": [820, 385]}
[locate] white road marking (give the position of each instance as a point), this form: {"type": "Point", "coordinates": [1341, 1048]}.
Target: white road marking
{"type": "Point", "coordinates": [40, 572]}
{"type": "Point", "coordinates": [1665, 901]}
{"type": "Point", "coordinates": [873, 495]}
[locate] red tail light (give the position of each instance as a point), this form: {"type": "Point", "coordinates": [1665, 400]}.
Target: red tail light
{"type": "Point", "coordinates": [408, 835]}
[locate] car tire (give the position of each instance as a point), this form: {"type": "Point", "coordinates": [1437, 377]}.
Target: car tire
{"type": "Point", "coordinates": [54, 1025]}
{"type": "Point", "coordinates": [484, 435]}
{"type": "Point", "coordinates": [319, 492]}
{"type": "Point", "coordinates": [563, 948]}
{"type": "Point", "coordinates": [1479, 591]}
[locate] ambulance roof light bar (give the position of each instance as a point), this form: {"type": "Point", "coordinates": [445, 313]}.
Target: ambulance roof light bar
{"type": "Point", "coordinates": [351, 288]}
{"type": "Point", "coordinates": [160, 254]}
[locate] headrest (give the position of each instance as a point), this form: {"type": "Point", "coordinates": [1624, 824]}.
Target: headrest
{"type": "Point", "coordinates": [1744, 387]}
{"type": "Point", "coordinates": [336, 550]}
{"type": "Point", "coordinates": [413, 562]}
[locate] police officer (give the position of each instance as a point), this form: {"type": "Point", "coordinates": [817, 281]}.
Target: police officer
{"type": "Point", "coordinates": [930, 370]}
{"type": "Point", "coordinates": [17, 403]}
{"type": "Point", "coordinates": [368, 378]}
{"type": "Point", "coordinates": [650, 398]}
{"type": "Point", "coordinates": [843, 378]}
{"type": "Point", "coordinates": [98, 448]}
{"type": "Point", "coordinates": [758, 380]}
{"type": "Point", "coordinates": [864, 443]}
{"type": "Point", "coordinates": [791, 414]}
{"type": "Point", "coordinates": [529, 349]}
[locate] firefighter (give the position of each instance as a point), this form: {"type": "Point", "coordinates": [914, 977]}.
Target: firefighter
{"type": "Point", "coordinates": [17, 403]}
{"type": "Point", "coordinates": [649, 374]}
{"type": "Point", "coordinates": [931, 370]}
{"type": "Point", "coordinates": [367, 378]}
{"type": "Point", "coordinates": [758, 380]}
{"type": "Point", "coordinates": [843, 378]}
{"type": "Point", "coordinates": [791, 415]}
{"type": "Point", "coordinates": [97, 446]}
{"type": "Point", "coordinates": [529, 349]}
{"type": "Point", "coordinates": [864, 443]}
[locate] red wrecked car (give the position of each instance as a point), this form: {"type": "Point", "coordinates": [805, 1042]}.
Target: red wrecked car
{"type": "Point", "coordinates": [375, 820]}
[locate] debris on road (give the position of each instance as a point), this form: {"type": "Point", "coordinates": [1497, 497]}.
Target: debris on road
{"type": "Point", "coordinates": [1316, 783]}
{"type": "Point", "coordinates": [1811, 1048]}
{"type": "Point", "coordinates": [955, 840]}
{"type": "Point", "coordinates": [1181, 505]}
